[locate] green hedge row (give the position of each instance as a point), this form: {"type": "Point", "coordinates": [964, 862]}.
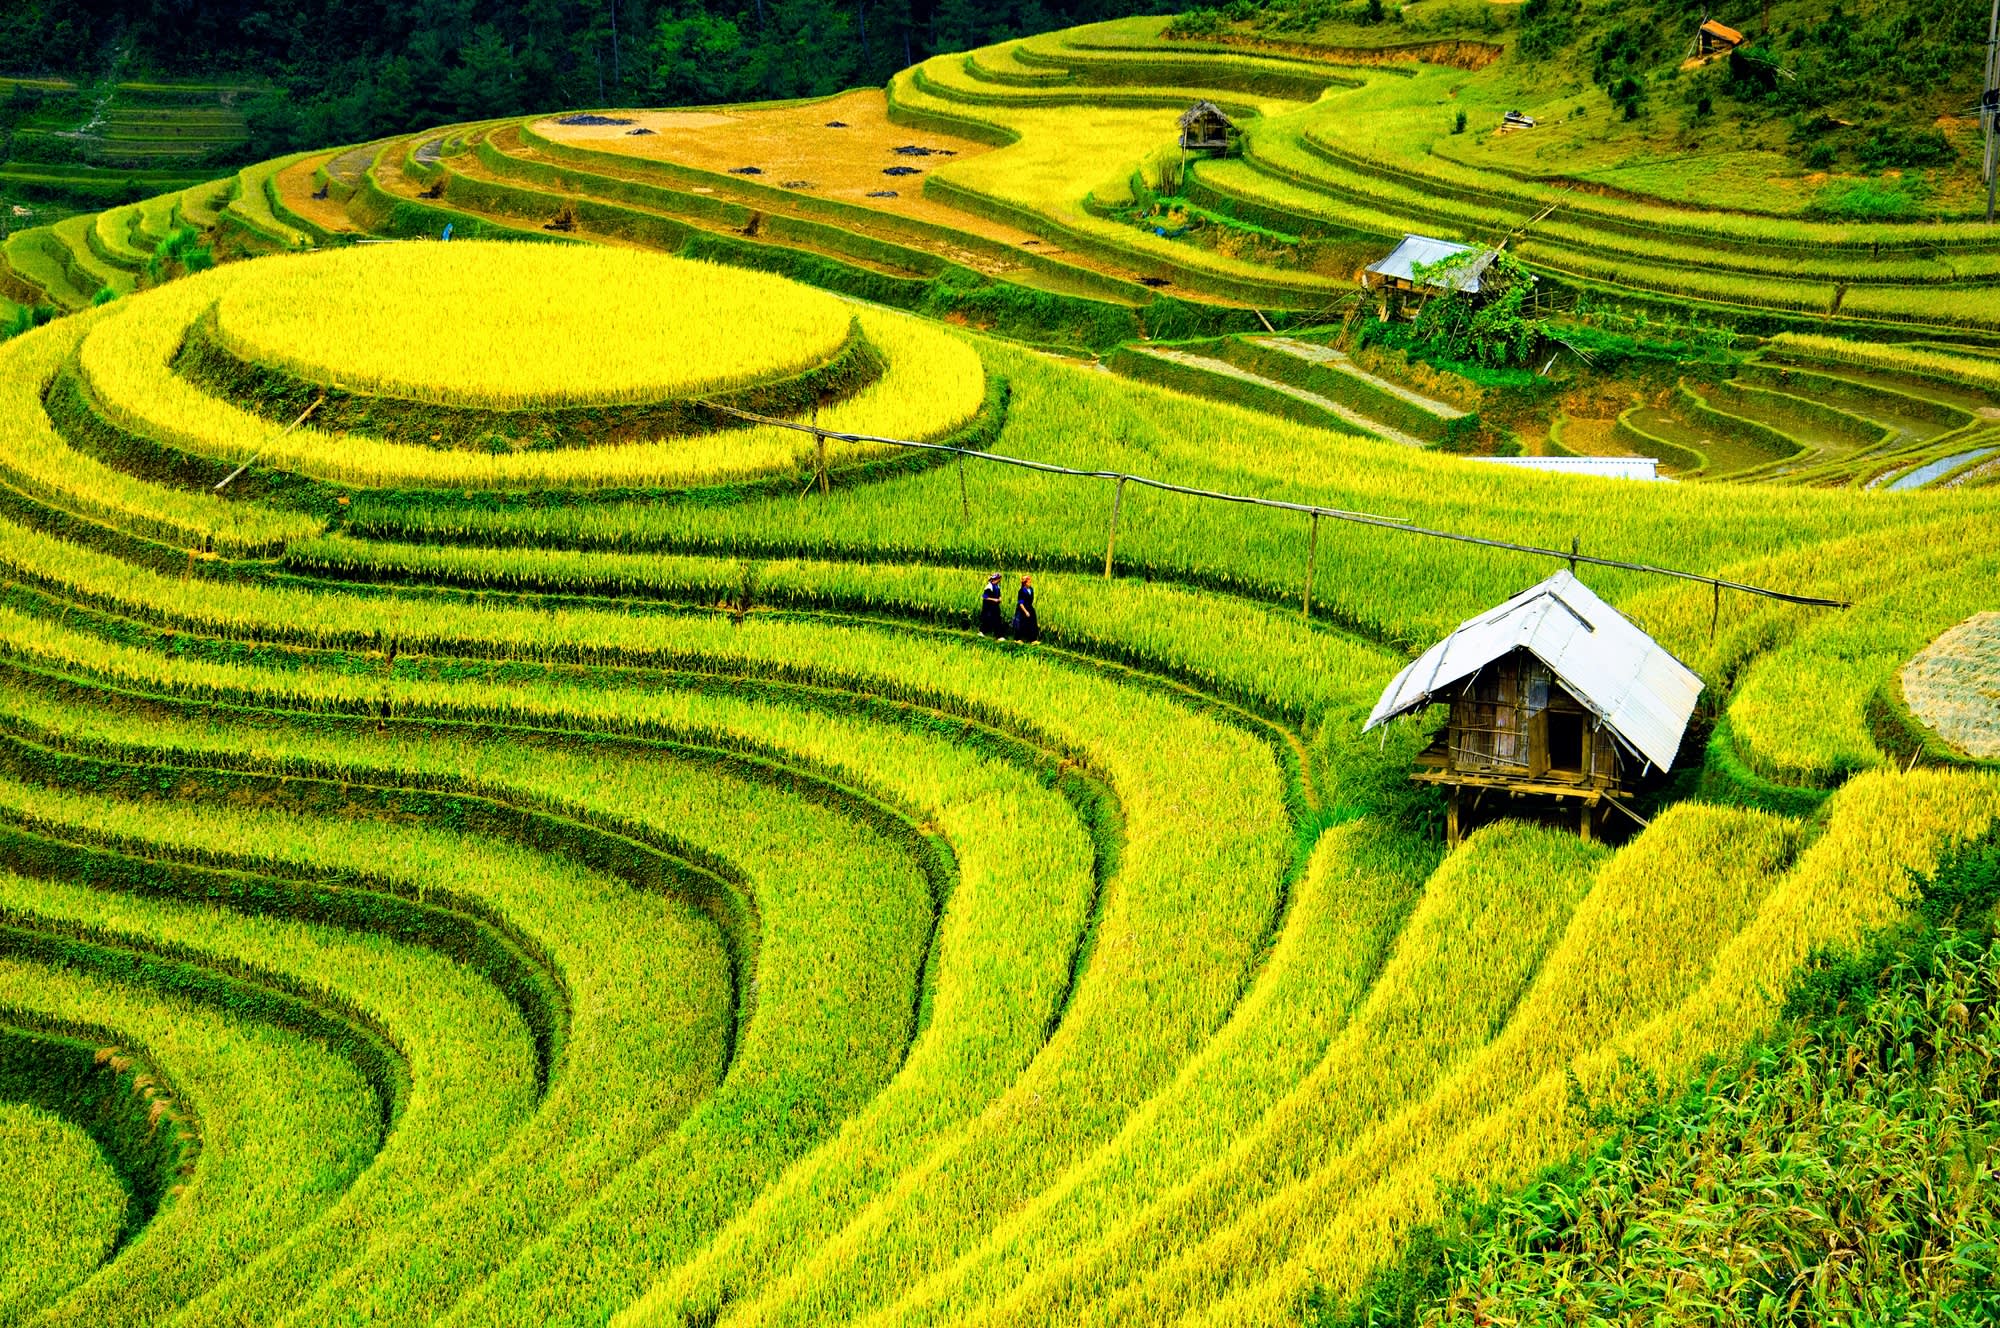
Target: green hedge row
{"type": "Point", "coordinates": [1684, 459]}
{"type": "Point", "coordinates": [1360, 395]}
{"type": "Point", "coordinates": [462, 930]}
{"type": "Point", "coordinates": [1772, 443]}
{"type": "Point", "coordinates": [123, 1101]}
{"type": "Point", "coordinates": [239, 991]}
{"type": "Point", "coordinates": [1207, 383]}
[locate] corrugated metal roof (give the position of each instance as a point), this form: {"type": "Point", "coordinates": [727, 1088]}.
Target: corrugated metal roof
{"type": "Point", "coordinates": [1619, 673]}
{"type": "Point", "coordinates": [1422, 249]}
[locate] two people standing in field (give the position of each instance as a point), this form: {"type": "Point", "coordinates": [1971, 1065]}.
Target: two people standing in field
{"type": "Point", "coordinates": [1027, 627]}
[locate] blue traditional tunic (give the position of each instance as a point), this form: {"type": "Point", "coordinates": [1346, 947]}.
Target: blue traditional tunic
{"type": "Point", "coordinates": [990, 621]}
{"type": "Point", "coordinates": [1026, 628]}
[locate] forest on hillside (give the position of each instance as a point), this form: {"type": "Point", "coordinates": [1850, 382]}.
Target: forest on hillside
{"type": "Point", "coordinates": [349, 70]}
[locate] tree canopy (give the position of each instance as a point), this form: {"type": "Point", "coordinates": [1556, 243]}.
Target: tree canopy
{"type": "Point", "coordinates": [349, 70]}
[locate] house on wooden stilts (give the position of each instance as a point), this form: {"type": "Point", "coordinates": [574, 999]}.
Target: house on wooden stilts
{"type": "Point", "coordinates": [1713, 38]}
{"type": "Point", "coordinates": [1554, 695]}
{"type": "Point", "coordinates": [1421, 267]}
{"type": "Point", "coordinates": [1205, 129]}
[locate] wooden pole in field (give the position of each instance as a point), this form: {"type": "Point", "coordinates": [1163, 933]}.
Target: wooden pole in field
{"type": "Point", "coordinates": [1111, 540]}
{"type": "Point", "coordinates": [820, 439]}
{"type": "Point", "coordinates": [1400, 525]}
{"type": "Point", "coordinates": [1312, 553]}
{"type": "Point", "coordinates": [1989, 108]}
{"type": "Point", "coordinates": [964, 503]}
{"type": "Point", "coordinates": [230, 478]}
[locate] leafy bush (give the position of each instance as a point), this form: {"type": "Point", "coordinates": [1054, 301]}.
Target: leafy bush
{"type": "Point", "coordinates": [1894, 145]}
{"type": "Point", "coordinates": [1870, 200]}
{"type": "Point", "coordinates": [1491, 330]}
{"type": "Point", "coordinates": [26, 319]}
{"type": "Point", "coordinates": [1199, 22]}
{"type": "Point", "coordinates": [1547, 26]}
{"type": "Point", "coordinates": [179, 254]}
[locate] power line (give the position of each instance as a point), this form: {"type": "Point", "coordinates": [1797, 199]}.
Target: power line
{"type": "Point", "coordinates": [1316, 512]}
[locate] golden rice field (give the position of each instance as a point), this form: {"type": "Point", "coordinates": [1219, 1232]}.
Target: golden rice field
{"type": "Point", "coordinates": [568, 325]}
{"type": "Point", "coordinates": [515, 844]}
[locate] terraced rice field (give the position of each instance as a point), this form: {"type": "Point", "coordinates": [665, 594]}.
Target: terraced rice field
{"type": "Point", "coordinates": [1014, 218]}
{"type": "Point", "coordinates": [524, 847]}
{"type": "Point", "coordinates": [500, 830]}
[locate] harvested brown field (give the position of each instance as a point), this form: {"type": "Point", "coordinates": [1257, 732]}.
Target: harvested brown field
{"type": "Point", "coordinates": [296, 189]}
{"type": "Point", "coordinates": [1954, 686]}
{"type": "Point", "coordinates": [793, 147]}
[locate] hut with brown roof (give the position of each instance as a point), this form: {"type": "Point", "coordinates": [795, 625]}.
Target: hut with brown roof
{"type": "Point", "coordinates": [1715, 38]}
{"type": "Point", "coordinates": [1204, 128]}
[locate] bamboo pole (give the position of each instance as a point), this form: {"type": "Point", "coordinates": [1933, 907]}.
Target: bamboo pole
{"type": "Point", "coordinates": [820, 440]}
{"type": "Point", "coordinates": [964, 502]}
{"type": "Point", "coordinates": [1111, 540]}
{"type": "Point", "coordinates": [1312, 553]}
{"type": "Point", "coordinates": [1401, 525]}
{"type": "Point", "coordinates": [231, 476]}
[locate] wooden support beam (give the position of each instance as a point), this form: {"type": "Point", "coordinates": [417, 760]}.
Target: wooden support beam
{"type": "Point", "coordinates": [1312, 553]}
{"type": "Point", "coordinates": [1111, 540]}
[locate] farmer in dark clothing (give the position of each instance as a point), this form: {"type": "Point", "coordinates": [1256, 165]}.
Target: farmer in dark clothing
{"type": "Point", "coordinates": [990, 622]}
{"type": "Point", "coordinates": [1026, 627]}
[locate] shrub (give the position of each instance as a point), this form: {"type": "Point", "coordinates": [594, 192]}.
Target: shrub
{"type": "Point", "coordinates": [1895, 145]}
{"type": "Point", "coordinates": [1547, 26]}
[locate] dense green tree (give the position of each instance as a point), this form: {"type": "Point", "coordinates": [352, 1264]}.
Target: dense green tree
{"type": "Point", "coordinates": [348, 70]}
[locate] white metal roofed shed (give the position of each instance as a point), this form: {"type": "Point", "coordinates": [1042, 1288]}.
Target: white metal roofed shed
{"type": "Point", "coordinates": [1628, 680]}
{"type": "Point", "coordinates": [1399, 268]}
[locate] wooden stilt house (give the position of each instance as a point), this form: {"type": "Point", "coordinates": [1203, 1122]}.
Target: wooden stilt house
{"type": "Point", "coordinates": [1204, 128]}
{"type": "Point", "coordinates": [1396, 281]}
{"type": "Point", "coordinates": [1553, 695]}
{"type": "Point", "coordinates": [1713, 38]}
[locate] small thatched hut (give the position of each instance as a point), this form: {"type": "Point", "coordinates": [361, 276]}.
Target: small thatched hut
{"type": "Point", "coordinates": [1553, 695]}
{"type": "Point", "coordinates": [1204, 128]}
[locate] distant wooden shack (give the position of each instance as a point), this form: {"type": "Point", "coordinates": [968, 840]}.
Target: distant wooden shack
{"type": "Point", "coordinates": [1397, 275]}
{"type": "Point", "coordinates": [1204, 128]}
{"type": "Point", "coordinates": [1553, 695]}
{"type": "Point", "coordinates": [1714, 38]}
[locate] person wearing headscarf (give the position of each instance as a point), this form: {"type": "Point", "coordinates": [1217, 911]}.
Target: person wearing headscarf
{"type": "Point", "coordinates": [1027, 627]}
{"type": "Point", "coordinates": [990, 622]}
